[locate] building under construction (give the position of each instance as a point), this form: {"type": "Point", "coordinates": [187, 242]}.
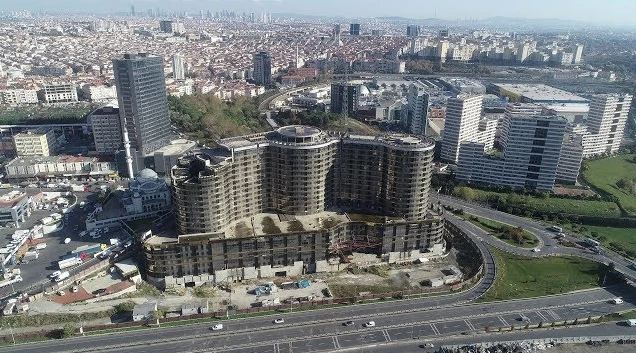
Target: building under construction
{"type": "Point", "coordinates": [293, 201]}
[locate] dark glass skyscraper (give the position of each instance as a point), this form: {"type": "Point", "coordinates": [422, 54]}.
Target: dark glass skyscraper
{"type": "Point", "coordinates": [354, 29]}
{"type": "Point", "coordinates": [143, 103]}
{"type": "Point", "coordinates": [345, 99]}
{"type": "Point", "coordinates": [262, 69]}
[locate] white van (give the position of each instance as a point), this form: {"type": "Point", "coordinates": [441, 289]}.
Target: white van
{"type": "Point", "coordinates": [617, 301]}
{"type": "Point", "coordinates": [631, 322]}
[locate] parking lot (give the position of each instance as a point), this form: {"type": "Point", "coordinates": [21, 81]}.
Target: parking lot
{"type": "Point", "coordinates": [34, 272]}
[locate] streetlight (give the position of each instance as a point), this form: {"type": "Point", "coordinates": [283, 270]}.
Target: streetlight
{"type": "Point", "coordinates": [12, 336]}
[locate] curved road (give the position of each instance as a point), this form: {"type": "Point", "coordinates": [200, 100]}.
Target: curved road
{"type": "Point", "coordinates": [322, 330]}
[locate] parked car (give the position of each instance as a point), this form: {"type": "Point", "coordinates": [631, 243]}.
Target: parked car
{"type": "Point", "coordinates": [61, 293]}
{"type": "Point", "coordinates": [74, 289]}
{"type": "Point", "coordinates": [55, 274]}
{"type": "Point", "coordinates": [67, 240]}
{"type": "Point", "coordinates": [617, 301]}
{"type": "Point", "coordinates": [99, 292]}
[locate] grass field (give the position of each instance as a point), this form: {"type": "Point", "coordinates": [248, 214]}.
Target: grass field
{"type": "Point", "coordinates": [524, 277]}
{"type": "Point", "coordinates": [604, 173]}
{"type": "Point", "coordinates": [621, 240]}
{"type": "Point", "coordinates": [495, 228]}
{"type": "Point", "coordinates": [560, 206]}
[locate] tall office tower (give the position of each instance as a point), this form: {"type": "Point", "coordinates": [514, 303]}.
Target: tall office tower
{"type": "Point", "coordinates": [412, 31]}
{"type": "Point", "coordinates": [263, 69]}
{"type": "Point", "coordinates": [169, 26]}
{"type": "Point", "coordinates": [417, 110]}
{"type": "Point", "coordinates": [578, 54]}
{"type": "Point", "coordinates": [132, 10]}
{"type": "Point", "coordinates": [143, 102]}
{"type": "Point", "coordinates": [336, 33]}
{"type": "Point", "coordinates": [462, 124]}
{"type": "Point", "coordinates": [178, 67]}
{"type": "Point", "coordinates": [444, 33]}
{"type": "Point", "coordinates": [606, 123]}
{"type": "Point", "coordinates": [530, 160]}
{"type": "Point", "coordinates": [345, 99]}
{"type": "Point", "coordinates": [354, 29]}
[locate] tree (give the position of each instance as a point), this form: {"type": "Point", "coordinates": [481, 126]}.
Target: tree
{"type": "Point", "coordinates": [624, 184]}
{"type": "Point", "coordinates": [67, 331]}
{"type": "Point", "coordinates": [125, 307]}
{"type": "Point", "coordinates": [466, 193]}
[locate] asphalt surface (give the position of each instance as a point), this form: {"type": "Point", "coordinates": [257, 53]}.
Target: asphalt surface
{"type": "Point", "coordinates": [324, 330]}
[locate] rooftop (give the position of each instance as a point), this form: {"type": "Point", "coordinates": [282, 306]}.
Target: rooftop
{"type": "Point", "coordinates": [541, 93]}
{"type": "Point", "coordinates": [11, 198]}
{"type": "Point", "coordinates": [30, 160]}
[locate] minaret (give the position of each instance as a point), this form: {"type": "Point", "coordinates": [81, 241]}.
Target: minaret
{"type": "Point", "coordinates": [128, 155]}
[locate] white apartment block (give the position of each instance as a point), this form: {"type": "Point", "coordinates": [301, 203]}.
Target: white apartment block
{"type": "Point", "coordinates": [60, 93]}
{"type": "Point", "coordinates": [570, 159]}
{"type": "Point", "coordinates": [462, 124]}
{"type": "Point", "coordinates": [40, 142]}
{"type": "Point", "coordinates": [106, 126]}
{"type": "Point", "coordinates": [18, 96]}
{"type": "Point", "coordinates": [178, 67]}
{"type": "Point", "coordinates": [100, 93]}
{"type": "Point", "coordinates": [606, 123]}
{"type": "Point", "coordinates": [57, 167]}
{"type": "Point", "coordinates": [516, 110]}
{"type": "Point", "coordinates": [529, 162]}
{"type": "Point", "coordinates": [416, 113]}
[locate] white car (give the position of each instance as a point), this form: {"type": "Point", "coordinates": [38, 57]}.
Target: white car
{"type": "Point", "coordinates": [55, 274]}
{"type": "Point", "coordinates": [536, 250]}
{"type": "Point", "coordinates": [61, 293]}
{"type": "Point", "coordinates": [279, 320]}
{"type": "Point", "coordinates": [370, 324]}
{"type": "Point", "coordinates": [67, 240]}
{"type": "Point", "coordinates": [617, 301]}
{"type": "Point", "coordinates": [217, 327]}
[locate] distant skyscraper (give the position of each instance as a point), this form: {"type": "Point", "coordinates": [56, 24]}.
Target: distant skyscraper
{"type": "Point", "coordinates": [143, 102]}
{"type": "Point", "coordinates": [263, 69]}
{"type": "Point", "coordinates": [178, 67]}
{"type": "Point", "coordinates": [606, 123]}
{"type": "Point", "coordinates": [444, 33]}
{"type": "Point", "coordinates": [578, 54]}
{"type": "Point", "coordinates": [412, 31]}
{"type": "Point", "coordinates": [345, 99]}
{"type": "Point", "coordinates": [168, 26]}
{"type": "Point", "coordinates": [132, 10]}
{"type": "Point", "coordinates": [354, 29]}
{"type": "Point", "coordinates": [462, 124]}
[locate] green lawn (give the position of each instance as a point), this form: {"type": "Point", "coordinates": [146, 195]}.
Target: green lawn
{"type": "Point", "coordinates": [496, 229]}
{"type": "Point", "coordinates": [604, 173]}
{"type": "Point", "coordinates": [556, 205]}
{"type": "Point", "coordinates": [525, 277]}
{"type": "Point", "coordinates": [621, 240]}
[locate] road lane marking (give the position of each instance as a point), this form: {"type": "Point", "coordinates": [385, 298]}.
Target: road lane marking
{"type": "Point", "coordinates": [542, 316]}
{"type": "Point", "coordinates": [336, 344]}
{"type": "Point", "coordinates": [469, 324]}
{"type": "Point", "coordinates": [502, 321]}
{"type": "Point", "coordinates": [554, 315]}
{"type": "Point", "coordinates": [276, 348]}
{"type": "Point", "coordinates": [435, 330]}
{"type": "Point", "coordinates": [386, 335]}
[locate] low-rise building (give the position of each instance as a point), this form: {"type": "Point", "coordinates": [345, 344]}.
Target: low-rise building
{"type": "Point", "coordinates": [14, 207]}
{"type": "Point", "coordinates": [36, 168]}
{"type": "Point", "coordinates": [59, 93]}
{"type": "Point", "coordinates": [18, 96]}
{"type": "Point", "coordinates": [39, 142]}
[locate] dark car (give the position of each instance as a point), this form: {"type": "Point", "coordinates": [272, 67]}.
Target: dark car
{"type": "Point", "coordinates": [98, 292]}
{"type": "Point", "coordinates": [348, 323]}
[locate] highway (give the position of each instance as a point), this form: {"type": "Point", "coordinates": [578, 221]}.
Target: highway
{"type": "Point", "coordinates": [422, 318]}
{"type": "Point", "coordinates": [324, 330]}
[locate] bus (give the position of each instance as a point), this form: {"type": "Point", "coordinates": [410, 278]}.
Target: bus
{"type": "Point", "coordinates": [592, 242]}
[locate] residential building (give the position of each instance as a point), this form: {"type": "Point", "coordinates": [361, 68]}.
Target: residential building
{"type": "Point", "coordinates": [354, 29]}
{"type": "Point", "coordinates": [59, 93]}
{"type": "Point", "coordinates": [345, 98]}
{"type": "Point", "coordinates": [416, 115]}
{"type": "Point", "coordinates": [263, 69]}
{"type": "Point", "coordinates": [570, 159]}
{"type": "Point", "coordinates": [461, 124]}
{"type": "Point", "coordinates": [529, 161]}
{"type": "Point", "coordinates": [39, 142]}
{"type": "Point", "coordinates": [178, 67]}
{"type": "Point", "coordinates": [18, 96]}
{"type": "Point", "coordinates": [143, 102]}
{"type": "Point", "coordinates": [106, 125]}
{"type": "Point", "coordinates": [606, 123]}
{"type": "Point", "coordinates": [99, 93]}
{"type": "Point", "coordinates": [305, 175]}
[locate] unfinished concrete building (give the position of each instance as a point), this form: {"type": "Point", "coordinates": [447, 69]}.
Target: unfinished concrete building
{"type": "Point", "coordinates": [287, 201]}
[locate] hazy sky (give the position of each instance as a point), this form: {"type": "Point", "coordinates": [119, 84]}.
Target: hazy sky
{"type": "Point", "coordinates": [597, 11]}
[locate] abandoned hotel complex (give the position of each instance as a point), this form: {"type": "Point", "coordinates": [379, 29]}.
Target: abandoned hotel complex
{"type": "Point", "coordinates": [297, 200]}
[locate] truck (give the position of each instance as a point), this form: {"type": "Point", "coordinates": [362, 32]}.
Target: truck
{"type": "Point", "coordinates": [31, 255]}
{"type": "Point", "coordinates": [89, 249]}
{"type": "Point", "coordinates": [10, 281]}
{"type": "Point", "coordinates": [62, 276]}
{"type": "Point", "coordinates": [40, 246]}
{"type": "Point", "coordinates": [70, 262]}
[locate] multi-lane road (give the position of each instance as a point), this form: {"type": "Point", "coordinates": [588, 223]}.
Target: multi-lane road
{"type": "Point", "coordinates": [396, 321]}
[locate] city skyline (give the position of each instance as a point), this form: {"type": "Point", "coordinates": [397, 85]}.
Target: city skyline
{"type": "Point", "coordinates": [612, 12]}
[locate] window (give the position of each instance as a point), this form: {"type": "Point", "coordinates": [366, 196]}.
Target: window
{"type": "Point", "coordinates": [536, 150]}
{"type": "Point", "coordinates": [540, 133]}
{"type": "Point", "coordinates": [543, 123]}
{"type": "Point", "coordinates": [535, 159]}
{"type": "Point", "coordinates": [538, 143]}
